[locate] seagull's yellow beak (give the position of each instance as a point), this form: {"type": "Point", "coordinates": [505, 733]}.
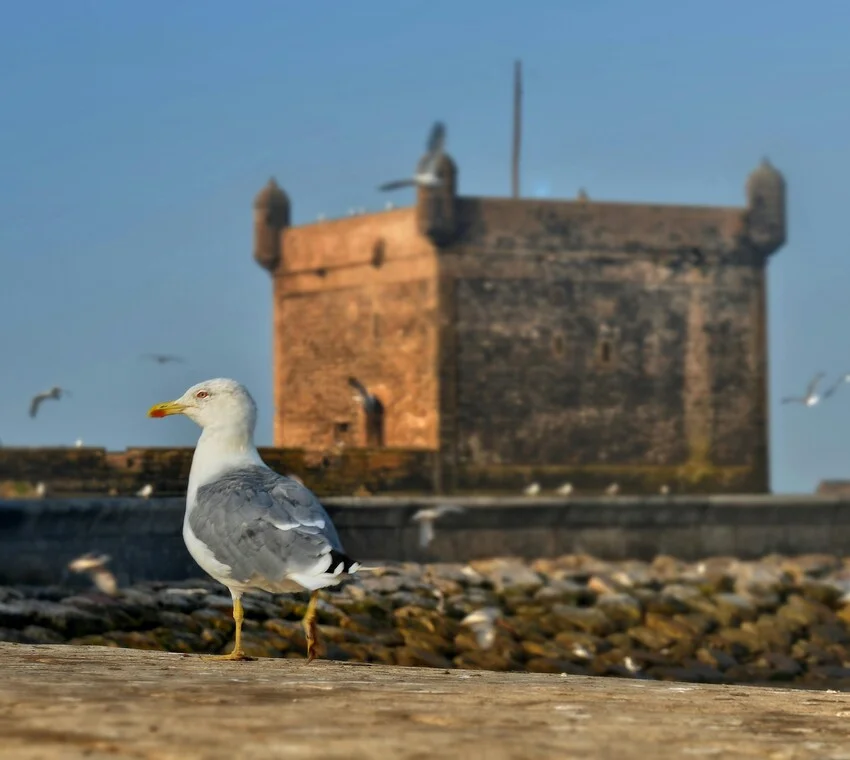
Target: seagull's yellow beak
{"type": "Point", "coordinates": [166, 408]}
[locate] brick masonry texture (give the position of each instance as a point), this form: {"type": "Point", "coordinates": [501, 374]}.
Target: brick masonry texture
{"type": "Point", "coordinates": [520, 339]}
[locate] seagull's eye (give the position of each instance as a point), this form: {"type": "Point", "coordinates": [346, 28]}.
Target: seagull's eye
{"type": "Point", "coordinates": [202, 394]}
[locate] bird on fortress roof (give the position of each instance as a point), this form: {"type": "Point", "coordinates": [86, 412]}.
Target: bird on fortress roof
{"type": "Point", "coordinates": [54, 393]}
{"type": "Point", "coordinates": [426, 169]}
{"type": "Point", "coordinates": [369, 400]}
{"type": "Point", "coordinates": [245, 525]}
{"type": "Point", "coordinates": [811, 397]}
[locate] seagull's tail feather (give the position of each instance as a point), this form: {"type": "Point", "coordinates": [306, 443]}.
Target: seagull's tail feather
{"type": "Point", "coordinates": [396, 184]}
{"type": "Point", "coordinates": [342, 563]}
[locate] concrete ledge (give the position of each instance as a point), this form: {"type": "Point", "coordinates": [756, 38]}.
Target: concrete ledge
{"type": "Point", "coordinates": [93, 702]}
{"type": "Point", "coordinates": [39, 537]}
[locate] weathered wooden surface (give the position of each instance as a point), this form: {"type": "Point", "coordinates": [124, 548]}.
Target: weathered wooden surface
{"type": "Point", "coordinates": [99, 703]}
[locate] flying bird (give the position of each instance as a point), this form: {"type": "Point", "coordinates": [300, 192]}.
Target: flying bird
{"type": "Point", "coordinates": [370, 401]}
{"type": "Point", "coordinates": [483, 624]}
{"type": "Point", "coordinates": [162, 358]}
{"type": "Point", "coordinates": [54, 393]}
{"type": "Point", "coordinates": [426, 519]}
{"type": "Point", "coordinates": [247, 526]}
{"type": "Point", "coordinates": [811, 398]}
{"type": "Point", "coordinates": [830, 391]}
{"type": "Point", "coordinates": [95, 567]}
{"type": "Point", "coordinates": [426, 169]}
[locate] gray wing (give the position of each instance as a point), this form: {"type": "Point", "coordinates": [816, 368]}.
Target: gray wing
{"type": "Point", "coordinates": [396, 184]}
{"type": "Point", "coordinates": [35, 403]}
{"type": "Point", "coordinates": [813, 383]}
{"type": "Point", "coordinates": [436, 138]}
{"type": "Point", "coordinates": [261, 524]}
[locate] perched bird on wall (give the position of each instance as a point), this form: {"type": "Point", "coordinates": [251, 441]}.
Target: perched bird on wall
{"type": "Point", "coordinates": [426, 169]}
{"type": "Point", "coordinates": [532, 489]}
{"type": "Point", "coordinates": [811, 397]}
{"type": "Point", "coordinates": [96, 569]}
{"type": "Point", "coordinates": [830, 391]}
{"type": "Point", "coordinates": [664, 490]}
{"type": "Point", "coordinates": [145, 491]}
{"type": "Point", "coordinates": [564, 490]}
{"type": "Point", "coordinates": [426, 519]}
{"type": "Point", "coordinates": [40, 490]}
{"type": "Point", "coordinates": [483, 624]}
{"type": "Point", "coordinates": [613, 489]}
{"type": "Point", "coordinates": [162, 358]}
{"type": "Point", "coordinates": [78, 444]}
{"type": "Point", "coordinates": [54, 393]}
{"type": "Point", "coordinates": [244, 524]}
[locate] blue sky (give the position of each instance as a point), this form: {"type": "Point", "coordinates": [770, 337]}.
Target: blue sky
{"type": "Point", "coordinates": [134, 136]}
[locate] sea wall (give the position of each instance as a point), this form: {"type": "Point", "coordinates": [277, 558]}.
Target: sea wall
{"type": "Point", "coordinates": [38, 537]}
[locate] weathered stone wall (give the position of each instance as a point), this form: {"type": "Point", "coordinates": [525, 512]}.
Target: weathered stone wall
{"type": "Point", "coordinates": [144, 537]}
{"type": "Point", "coordinates": [98, 471]}
{"type": "Point", "coordinates": [611, 342]}
{"type": "Point", "coordinates": [355, 296]}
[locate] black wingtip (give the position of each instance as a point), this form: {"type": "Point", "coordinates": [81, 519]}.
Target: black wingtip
{"type": "Point", "coordinates": [348, 565]}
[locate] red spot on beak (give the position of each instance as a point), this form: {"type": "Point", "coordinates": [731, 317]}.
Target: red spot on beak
{"type": "Point", "coordinates": [157, 413]}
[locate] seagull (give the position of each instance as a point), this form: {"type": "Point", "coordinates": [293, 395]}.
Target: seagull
{"type": "Point", "coordinates": [54, 393]}
{"type": "Point", "coordinates": [564, 490]}
{"type": "Point", "coordinates": [664, 490]}
{"type": "Point", "coordinates": [78, 444]}
{"type": "Point", "coordinates": [247, 526]}
{"type": "Point", "coordinates": [811, 398]}
{"type": "Point", "coordinates": [483, 624]}
{"type": "Point", "coordinates": [426, 519]}
{"type": "Point", "coordinates": [369, 400]}
{"type": "Point", "coordinates": [426, 170]}
{"type": "Point", "coordinates": [96, 568]}
{"type": "Point", "coordinates": [145, 491]}
{"type": "Point", "coordinates": [830, 391]}
{"type": "Point", "coordinates": [613, 489]}
{"type": "Point", "coordinates": [41, 490]}
{"type": "Point", "coordinates": [532, 490]}
{"type": "Point", "coordinates": [162, 358]}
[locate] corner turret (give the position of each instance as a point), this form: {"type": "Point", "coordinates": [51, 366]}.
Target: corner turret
{"type": "Point", "coordinates": [271, 217]}
{"type": "Point", "coordinates": [435, 206]}
{"type": "Point", "coordinates": [765, 215]}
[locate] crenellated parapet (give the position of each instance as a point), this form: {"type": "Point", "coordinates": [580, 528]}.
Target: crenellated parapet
{"type": "Point", "coordinates": [765, 212]}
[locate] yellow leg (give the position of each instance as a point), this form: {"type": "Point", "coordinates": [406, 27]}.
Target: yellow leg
{"type": "Point", "coordinates": [237, 653]}
{"type": "Point", "coordinates": [311, 630]}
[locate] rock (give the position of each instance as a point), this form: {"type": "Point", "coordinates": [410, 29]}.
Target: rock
{"type": "Point", "coordinates": [669, 628]}
{"type": "Point", "coordinates": [588, 619]}
{"type": "Point", "coordinates": [811, 566]}
{"type": "Point", "coordinates": [621, 609]}
{"type": "Point", "coordinates": [649, 638]}
{"type": "Point", "coordinates": [565, 591]}
{"type": "Point", "coordinates": [739, 643]}
{"type": "Point", "coordinates": [63, 619]}
{"type": "Point", "coordinates": [695, 672]}
{"type": "Point", "coordinates": [35, 634]}
{"type": "Point", "coordinates": [802, 613]}
{"type": "Point", "coordinates": [780, 667]}
{"type": "Point", "coordinates": [508, 576]}
{"type": "Point", "coordinates": [716, 658]}
{"type": "Point", "coordinates": [552, 665]}
{"type": "Point", "coordinates": [823, 591]}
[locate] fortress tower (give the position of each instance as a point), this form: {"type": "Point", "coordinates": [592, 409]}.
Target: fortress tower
{"type": "Point", "coordinates": [523, 338]}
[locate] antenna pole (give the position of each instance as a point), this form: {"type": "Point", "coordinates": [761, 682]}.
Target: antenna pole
{"type": "Point", "coordinates": [517, 129]}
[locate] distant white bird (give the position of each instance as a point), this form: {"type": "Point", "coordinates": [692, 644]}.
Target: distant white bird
{"type": "Point", "coordinates": [162, 358]}
{"type": "Point", "coordinates": [564, 490]}
{"type": "Point", "coordinates": [78, 444]}
{"type": "Point", "coordinates": [41, 490]}
{"type": "Point", "coordinates": [532, 490]}
{"type": "Point", "coordinates": [54, 393]}
{"type": "Point", "coordinates": [664, 490]}
{"type": "Point", "coordinates": [613, 489]}
{"type": "Point", "coordinates": [426, 169]}
{"type": "Point", "coordinates": [630, 665]}
{"type": "Point", "coordinates": [483, 624]}
{"type": "Point", "coordinates": [830, 391]}
{"type": "Point", "coordinates": [96, 569]}
{"type": "Point", "coordinates": [426, 519]}
{"type": "Point", "coordinates": [389, 205]}
{"type": "Point", "coordinates": [811, 398]}
{"type": "Point", "coordinates": [145, 491]}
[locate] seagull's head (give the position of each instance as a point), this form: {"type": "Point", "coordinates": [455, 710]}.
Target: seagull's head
{"type": "Point", "coordinates": [218, 403]}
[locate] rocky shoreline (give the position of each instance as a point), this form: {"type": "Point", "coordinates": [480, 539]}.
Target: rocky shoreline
{"type": "Point", "coordinates": [781, 619]}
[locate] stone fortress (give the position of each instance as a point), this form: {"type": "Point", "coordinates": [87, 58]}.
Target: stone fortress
{"type": "Point", "coordinates": [519, 340]}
